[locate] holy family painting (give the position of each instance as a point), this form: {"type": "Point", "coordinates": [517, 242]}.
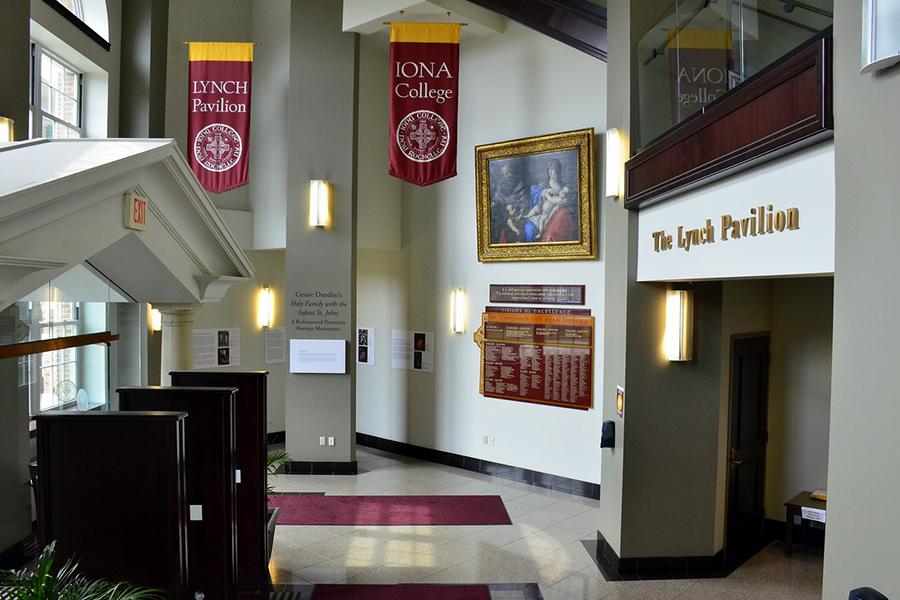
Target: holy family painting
{"type": "Point", "coordinates": [536, 198]}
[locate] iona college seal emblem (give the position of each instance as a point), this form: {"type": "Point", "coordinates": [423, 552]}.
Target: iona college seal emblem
{"type": "Point", "coordinates": [423, 136]}
{"type": "Point", "coordinates": [217, 147]}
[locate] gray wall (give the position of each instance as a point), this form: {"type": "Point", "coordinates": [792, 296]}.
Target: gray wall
{"type": "Point", "coordinates": [15, 506]}
{"type": "Point", "coordinates": [861, 544]}
{"type": "Point", "coordinates": [322, 125]}
{"type": "Point", "coordinates": [14, 71]}
{"type": "Point", "coordinates": [145, 25]}
{"type": "Point", "coordinates": [672, 414]}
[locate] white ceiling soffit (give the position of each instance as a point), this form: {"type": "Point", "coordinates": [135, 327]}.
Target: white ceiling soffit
{"type": "Point", "coordinates": [368, 16]}
{"type": "Point", "coordinates": [81, 283]}
{"type": "Point", "coordinates": [62, 203]}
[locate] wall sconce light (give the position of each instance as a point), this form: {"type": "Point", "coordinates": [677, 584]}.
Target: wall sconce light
{"type": "Point", "coordinates": [458, 310]}
{"type": "Point", "coordinates": [7, 129]}
{"type": "Point", "coordinates": [265, 308]}
{"type": "Point", "coordinates": [678, 339]}
{"type": "Point", "coordinates": [613, 162]}
{"type": "Point", "coordinates": [155, 320]}
{"type": "Point", "coordinates": [319, 203]}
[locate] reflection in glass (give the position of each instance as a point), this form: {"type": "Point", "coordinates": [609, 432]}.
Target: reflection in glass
{"type": "Point", "coordinates": [697, 50]}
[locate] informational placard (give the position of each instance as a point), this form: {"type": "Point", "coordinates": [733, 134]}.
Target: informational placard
{"type": "Point", "coordinates": [275, 350]}
{"type": "Point", "coordinates": [318, 356]}
{"type": "Point", "coordinates": [542, 356]}
{"type": "Point", "coordinates": [216, 348]}
{"type": "Point", "coordinates": [812, 514]}
{"type": "Point", "coordinates": [365, 345]}
{"type": "Point", "coordinates": [537, 294]}
{"type": "Point", "coordinates": [412, 350]}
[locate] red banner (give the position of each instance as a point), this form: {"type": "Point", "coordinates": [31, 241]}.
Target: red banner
{"type": "Point", "coordinates": [424, 83]}
{"type": "Point", "coordinates": [219, 113]}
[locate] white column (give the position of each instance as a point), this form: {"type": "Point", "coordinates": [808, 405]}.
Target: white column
{"type": "Point", "coordinates": [177, 325]}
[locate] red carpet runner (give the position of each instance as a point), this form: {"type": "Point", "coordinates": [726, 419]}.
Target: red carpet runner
{"type": "Point", "coordinates": [391, 510]}
{"type": "Point", "coordinates": [401, 592]}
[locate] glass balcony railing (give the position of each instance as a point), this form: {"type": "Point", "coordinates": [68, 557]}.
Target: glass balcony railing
{"type": "Point", "coordinates": [697, 50]}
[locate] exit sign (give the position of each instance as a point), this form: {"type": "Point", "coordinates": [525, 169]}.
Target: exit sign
{"type": "Point", "coordinates": [135, 212]}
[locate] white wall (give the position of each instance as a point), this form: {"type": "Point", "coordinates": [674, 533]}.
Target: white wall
{"type": "Point", "coordinates": [512, 85]}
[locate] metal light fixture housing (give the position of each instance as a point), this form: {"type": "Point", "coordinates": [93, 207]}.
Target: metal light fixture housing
{"type": "Point", "coordinates": [319, 203]}
{"type": "Point", "coordinates": [678, 342]}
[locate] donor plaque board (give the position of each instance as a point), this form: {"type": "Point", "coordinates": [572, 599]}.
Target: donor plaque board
{"type": "Point", "coordinates": [539, 355]}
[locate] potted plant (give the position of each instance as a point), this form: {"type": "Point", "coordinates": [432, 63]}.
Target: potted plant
{"type": "Point", "coordinates": [274, 461]}
{"type": "Point", "coordinates": [42, 582]}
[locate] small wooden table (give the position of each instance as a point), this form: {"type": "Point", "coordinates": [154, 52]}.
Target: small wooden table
{"type": "Point", "coordinates": [794, 508]}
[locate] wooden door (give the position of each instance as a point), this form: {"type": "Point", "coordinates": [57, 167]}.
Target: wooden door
{"type": "Point", "coordinates": [748, 437]}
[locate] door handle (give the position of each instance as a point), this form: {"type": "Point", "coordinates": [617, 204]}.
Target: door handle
{"type": "Point", "coordinates": [737, 461]}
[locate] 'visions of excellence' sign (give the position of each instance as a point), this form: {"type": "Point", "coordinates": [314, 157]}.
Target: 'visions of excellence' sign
{"type": "Point", "coordinates": [424, 80]}
{"type": "Point", "coordinates": [538, 356]}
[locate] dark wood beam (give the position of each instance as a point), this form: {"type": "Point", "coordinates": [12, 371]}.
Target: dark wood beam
{"type": "Point", "coordinates": [38, 346]}
{"type": "Point", "coordinates": [577, 23]}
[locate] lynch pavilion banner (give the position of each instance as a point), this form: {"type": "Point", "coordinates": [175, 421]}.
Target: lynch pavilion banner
{"type": "Point", "coordinates": [219, 113]}
{"type": "Point", "coordinates": [424, 76]}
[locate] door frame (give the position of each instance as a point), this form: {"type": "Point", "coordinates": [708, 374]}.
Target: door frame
{"type": "Point", "coordinates": [728, 424]}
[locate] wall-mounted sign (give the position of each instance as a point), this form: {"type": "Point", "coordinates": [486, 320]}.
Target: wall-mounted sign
{"type": "Point", "coordinates": [216, 347]}
{"type": "Point", "coordinates": [538, 356]}
{"type": "Point", "coordinates": [318, 356]}
{"type": "Point", "coordinates": [365, 345]}
{"type": "Point", "coordinates": [537, 294]}
{"type": "Point", "coordinates": [135, 212]}
{"type": "Point", "coordinates": [412, 350]}
{"type": "Point", "coordinates": [776, 219]}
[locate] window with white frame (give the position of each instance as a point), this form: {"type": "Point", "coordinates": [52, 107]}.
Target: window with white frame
{"type": "Point", "coordinates": [55, 379]}
{"type": "Point", "coordinates": [74, 7]}
{"type": "Point", "coordinates": [56, 96]}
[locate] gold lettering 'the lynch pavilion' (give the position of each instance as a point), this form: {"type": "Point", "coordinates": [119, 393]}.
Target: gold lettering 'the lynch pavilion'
{"type": "Point", "coordinates": [763, 220]}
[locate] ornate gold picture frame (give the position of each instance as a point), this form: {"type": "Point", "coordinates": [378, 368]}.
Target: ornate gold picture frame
{"type": "Point", "coordinates": [536, 198]}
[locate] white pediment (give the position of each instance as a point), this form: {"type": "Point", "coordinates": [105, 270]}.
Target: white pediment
{"type": "Point", "coordinates": [62, 204]}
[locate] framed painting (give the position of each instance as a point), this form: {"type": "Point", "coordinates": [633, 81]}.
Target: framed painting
{"type": "Point", "coordinates": [536, 198]}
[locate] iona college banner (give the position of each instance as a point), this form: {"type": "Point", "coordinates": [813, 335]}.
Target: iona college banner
{"type": "Point", "coordinates": [219, 113]}
{"type": "Point", "coordinates": [424, 84]}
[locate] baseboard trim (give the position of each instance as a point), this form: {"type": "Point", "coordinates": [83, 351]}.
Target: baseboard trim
{"type": "Point", "coordinates": [275, 437]}
{"type": "Point", "coordinates": [575, 487]}
{"type": "Point", "coordinates": [19, 554]}
{"type": "Point", "coordinates": [615, 568]}
{"type": "Point", "coordinates": [307, 467]}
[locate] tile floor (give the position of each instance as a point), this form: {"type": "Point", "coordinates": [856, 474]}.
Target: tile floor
{"type": "Point", "coordinates": [543, 546]}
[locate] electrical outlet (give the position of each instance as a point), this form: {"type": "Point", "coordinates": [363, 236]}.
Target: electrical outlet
{"type": "Point", "coordinates": [322, 440]}
{"type": "Point", "coordinates": [331, 440]}
{"type": "Point", "coordinates": [491, 441]}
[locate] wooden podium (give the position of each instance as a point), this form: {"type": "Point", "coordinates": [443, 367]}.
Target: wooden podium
{"type": "Point", "coordinates": [211, 486]}
{"type": "Point", "coordinates": [112, 493]}
{"type": "Point", "coordinates": [250, 450]}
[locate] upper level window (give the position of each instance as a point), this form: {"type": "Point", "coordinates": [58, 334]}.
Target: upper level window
{"type": "Point", "coordinates": [697, 50]}
{"type": "Point", "coordinates": [74, 6]}
{"type": "Point", "coordinates": [56, 109]}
